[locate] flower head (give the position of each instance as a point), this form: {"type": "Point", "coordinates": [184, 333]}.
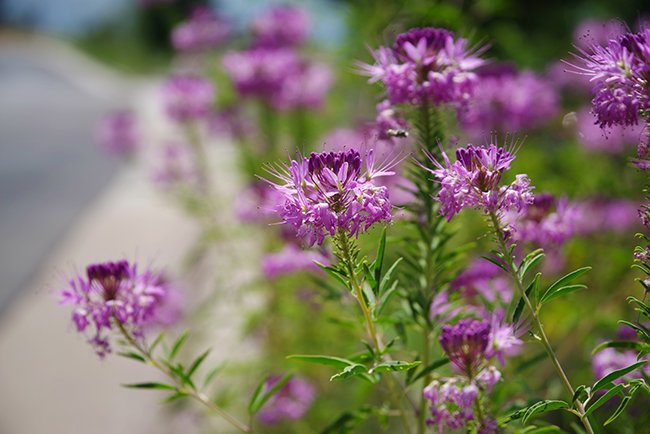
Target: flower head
{"type": "Point", "coordinates": [620, 73]}
{"type": "Point", "coordinates": [187, 97]}
{"type": "Point", "coordinates": [281, 26]}
{"type": "Point", "coordinates": [291, 402]}
{"type": "Point", "coordinates": [113, 293]}
{"type": "Point", "coordinates": [291, 259]}
{"type": "Point", "coordinates": [465, 344]}
{"type": "Point", "coordinates": [117, 133]}
{"type": "Point", "coordinates": [328, 191]}
{"type": "Point", "coordinates": [426, 64]}
{"type": "Point", "coordinates": [473, 181]}
{"type": "Point", "coordinates": [279, 77]}
{"type": "Point", "coordinates": [508, 101]}
{"type": "Point", "coordinates": [202, 31]}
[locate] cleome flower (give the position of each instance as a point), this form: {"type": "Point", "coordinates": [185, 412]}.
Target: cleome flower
{"type": "Point", "coordinates": [187, 97]}
{"type": "Point", "coordinates": [426, 65]}
{"type": "Point", "coordinates": [620, 74]}
{"type": "Point", "coordinates": [114, 294]}
{"type": "Point", "coordinates": [328, 192]}
{"type": "Point", "coordinates": [473, 181]}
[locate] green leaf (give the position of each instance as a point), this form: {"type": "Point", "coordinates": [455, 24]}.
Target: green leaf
{"type": "Point", "coordinates": [607, 379]}
{"type": "Point", "coordinates": [387, 277]}
{"type": "Point", "coordinates": [496, 262]}
{"type": "Point", "coordinates": [377, 265]}
{"type": "Point", "coordinates": [177, 345]}
{"type": "Point", "coordinates": [156, 342]}
{"type": "Point", "coordinates": [581, 391]}
{"type": "Point", "coordinates": [529, 261]}
{"type": "Point", "coordinates": [133, 355]}
{"type": "Point", "coordinates": [638, 346]}
{"type": "Point", "coordinates": [197, 362]}
{"type": "Point", "coordinates": [542, 407]}
{"type": "Point", "coordinates": [541, 430]}
{"type": "Point", "coordinates": [159, 386]}
{"type": "Point", "coordinates": [384, 299]}
{"type": "Point", "coordinates": [532, 287]}
{"type": "Point", "coordinates": [174, 397]}
{"type": "Point", "coordinates": [560, 284]}
{"type": "Point", "coordinates": [262, 395]}
{"type": "Point", "coordinates": [349, 371]}
{"type": "Point", "coordinates": [429, 369]}
{"type": "Point", "coordinates": [622, 406]}
{"type": "Point", "coordinates": [209, 376]}
{"type": "Point", "coordinates": [603, 399]}
{"type": "Point", "coordinates": [334, 273]}
{"type": "Point", "coordinates": [370, 277]}
{"type": "Point", "coordinates": [337, 362]}
{"type": "Point", "coordinates": [394, 365]}
{"type": "Point", "coordinates": [639, 328]}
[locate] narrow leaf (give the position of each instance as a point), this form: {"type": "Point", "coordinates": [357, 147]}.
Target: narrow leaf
{"type": "Point", "coordinates": [603, 399]}
{"type": "Point", "coordinates": [337, 362]}
{"type": "Point", "coordinates": [562, 281]}
{"type": "Point", "coordinates": [349, 371]}
{"type": "Point", "coordinates": [132, 355]}
{"type": "Point", "coordinates": [542, 407]}
{"type": "Point", "coordinates": [622, 406]}
{"type": "Point", "coordinates": [177, 345]}
{"type": "Point", "coordinates": [387, 277]}
{"type": "Point", "coordinates": [563, 291]}
{"type": "Point", "coordinates": [496, 262]}
{"type": "Point", "coordinates": [394, 365]}
{"type": "Point", "coordinates": [159, 386]}
{"type": "Point", "coordinates": [197, 362]}
{"type": "Point", "coordinates": [261, 396]}
{"type": "Point", "coordinates": [604, 382]}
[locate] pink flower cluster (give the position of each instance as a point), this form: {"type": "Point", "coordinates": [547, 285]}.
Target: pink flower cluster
{"type": "Point", "coordinates": [291, 402]}
{"type": "Point", "coordinates": [473, 181]}
{"type": "Point", "coordinates": [114, 294]}
{"type": "Point", "coordinates": [507, 101]}
{"type": "Point", "coordinates": [328, 192]}
{"type": "Point", "coordinates": [202, 31]}
{"type": "Point", "coordinates": [426, 64]}
{"type": "Point", "coordinates": [279, 77]}
{"type": "Point", "coordinates": [187, 98]}
{"type": "Point", "coordinates": [117, 133]}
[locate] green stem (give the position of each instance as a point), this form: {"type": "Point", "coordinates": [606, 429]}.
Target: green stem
{"type": "Point", "coordinates": [181, 387]}
{"type": "Point", "coordinates": [426, 380]}
{"type": "Point", "coordinates": [514, 272]}
{"type": "Point", "coordinates": [346, 255]}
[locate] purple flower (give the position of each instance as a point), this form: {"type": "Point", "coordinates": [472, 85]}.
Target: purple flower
{"type": "Point", "coordinates": [176, 167]}
{"type": "Point", "coordinates": [600, 215]}
{"type": "Point", "coordinates": [488, 377]}
{"type": "Point", "coordinates": [465, 343]}
{"type": "Point", "coordinates": [291, 259]}
{"type": "Point", "coordinates": [113, 293]}
{"type": "Point", "coordinates": [328, 192]}
{"type": "Point", "coordinates": [202, 31]}
{"type": "Point", "coordinates": [117, 133]}
{"type": "Point", "coordinates": [619, 73]}
{"type": "Point", "coordinates": [546, 221]}
{"type": "Point", "coordinates": [508, 101]}
{"type": "Point", "coordinates": [187, 97]}
{"type": "Point", "coordinates": [592, 32]}
{"type": "Point", "coordinates": [503, 341]}
{"type": "Point", "coordinates": [473, 181]}
{"type": "Point", "coordinates": [426, 64]}
{"type": "Point", "coordinates": [257, 203]}
{"type": "Point", "coordinates": [452, 403]}
{"type": "Point", "coordinates": [483, 278]}
{"type": "Point", "coordinates": [281, 26]}
{"type": "Point", "coordinates": [291, 402]}
{"type": "Point", "coordinates": [279, 77]}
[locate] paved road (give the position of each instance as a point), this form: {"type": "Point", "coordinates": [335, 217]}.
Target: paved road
{"type": "Point", "coordinates": [50, 169]}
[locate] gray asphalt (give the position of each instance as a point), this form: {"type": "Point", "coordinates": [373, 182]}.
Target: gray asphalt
{"type": "Point", "coordinates": [50, 168]}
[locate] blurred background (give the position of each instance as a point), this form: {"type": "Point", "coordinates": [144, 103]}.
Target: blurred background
{"type": "Point", "coordinates": [65, 64]}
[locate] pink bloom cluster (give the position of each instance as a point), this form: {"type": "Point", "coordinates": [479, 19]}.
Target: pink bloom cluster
{"type": "Point", "coordinates": [619, 72]}
{"type": "Point", "coordinates": [281, 26]}
{"type": "Point", "coordinates": [546, 221]}
{"type": "Point", "coordinates": [291, 402]}
{"type": "Point", "coordinates": [485, 280]}
{"type": "Point", "coordinates": [117, 133]}
{"type": "Point", "coordinates": [426, 64]}
{"type": "Point", "coordinates": [291, 259]}
{"type": "Point", "coordinates": [112, 294]}
{"type": "Point", "coordinates": [328, 192]}
{"type": "Point", "coordinates": [473, 181]}
{"type": "Point", "coordinates": [202, 31]}
{"type": "Point", "coordinates": [187, 97]}
{"type": "Point", "coordinates": [508, 101]}
{"type": "Point", "coordinates": [279, 77]}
